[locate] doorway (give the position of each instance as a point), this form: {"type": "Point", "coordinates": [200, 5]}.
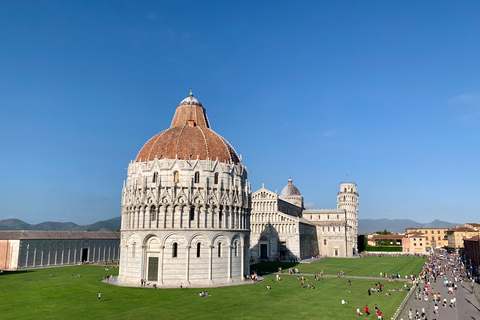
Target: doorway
{"type": "Point", "coordinates": [153, 269]}
{"type": "Point", "coordinates": [263, 251]}
{"type": "Point", "coordinates": [84, 254]}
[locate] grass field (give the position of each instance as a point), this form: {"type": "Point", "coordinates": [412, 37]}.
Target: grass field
{"type": "Point", "coordinates": [352, 267]}
{"type": "Point", "coordinates": [33, 294]}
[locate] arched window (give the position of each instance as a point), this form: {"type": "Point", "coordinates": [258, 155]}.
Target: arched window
{"type": "Point", "coordinates": [215, 179]}
{"type": "Point", "coordinates": [153, 213]}
{"type": "Point", "coordinates": [155, 177]}
{"type": "Point", "coordinates": [176, 177]}
{"type": "Point", "coordinates": [192, 213]}
{"type": "Point", "coordinates": [174, 250]}
{"type": "Point", "coordinates": [324, 242]}
{"type": "Point", "coordinates": [197, 177]}
{"type": "Point", "coordinates": [219, 249]}
{"type": "Point", "coordinates": [236, 248]}
{"type": "Point", "coordinates": [198, 250]}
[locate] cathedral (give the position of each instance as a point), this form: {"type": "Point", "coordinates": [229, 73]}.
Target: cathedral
{"type": "Point", "coordinates": [186, 207]}
{"type": "Point", "coordinates": [189, 217]}
{"type": "Point", "coordinates": [282, 229]}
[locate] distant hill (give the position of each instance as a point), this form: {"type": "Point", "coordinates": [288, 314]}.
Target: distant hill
{"type": "Point", "coordinates": [364, 225]}
{"type": "Point", "coordinates": [398, 225]}
{"type": "Point", "coordinates": [15, 224]}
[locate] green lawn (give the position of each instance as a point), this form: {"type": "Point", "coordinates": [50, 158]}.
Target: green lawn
{"type": "Point", "coordinates": [352, 267]}
{"type": "Point", "coordinates": [34, 295]}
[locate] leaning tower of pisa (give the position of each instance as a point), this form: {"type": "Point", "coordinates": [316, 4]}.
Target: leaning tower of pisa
{"type": "Point", "coordinates": [347, 199]}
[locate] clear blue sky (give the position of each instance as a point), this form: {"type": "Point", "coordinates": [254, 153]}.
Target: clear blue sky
{"type": "Point", "coordinates": [387, 92]}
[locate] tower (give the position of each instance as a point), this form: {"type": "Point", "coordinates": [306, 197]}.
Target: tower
{"type": "Point", "coordinates": [347, 199]}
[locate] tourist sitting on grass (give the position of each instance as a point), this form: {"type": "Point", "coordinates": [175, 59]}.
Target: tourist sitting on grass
{"type": "Point", "coordinates": [268, 287]}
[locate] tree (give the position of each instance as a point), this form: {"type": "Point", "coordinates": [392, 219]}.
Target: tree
{"type": "Point", "coordinates": [385, 232]}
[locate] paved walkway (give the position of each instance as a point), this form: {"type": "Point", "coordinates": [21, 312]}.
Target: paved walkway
{"type": "Point", "coordinates": [467, 307]}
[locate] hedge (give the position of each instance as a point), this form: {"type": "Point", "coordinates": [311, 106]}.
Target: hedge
{"type": "Point", "coordinates": [382, 248]}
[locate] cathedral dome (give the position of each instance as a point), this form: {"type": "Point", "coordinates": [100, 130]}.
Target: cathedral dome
{"type": "Point", "coordinates": [189, 137]}
{"type": "Point", "coordinates": [290, 190]}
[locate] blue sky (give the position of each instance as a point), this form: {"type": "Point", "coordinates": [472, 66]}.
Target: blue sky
{"type": "Point", "coordinates": [387, 92]}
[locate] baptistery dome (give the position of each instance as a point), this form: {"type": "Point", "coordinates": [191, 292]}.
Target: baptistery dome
{"type": "Point", "coordinates": [188, 138]}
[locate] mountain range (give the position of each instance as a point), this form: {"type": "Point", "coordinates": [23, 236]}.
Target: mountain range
{"type": "Point", "coordinates": [16, 224]}
{"type": "Point", "coordinates": [364, 225]}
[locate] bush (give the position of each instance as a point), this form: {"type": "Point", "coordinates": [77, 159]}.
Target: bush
{"type": "Point", "coordinates": [382, 248]}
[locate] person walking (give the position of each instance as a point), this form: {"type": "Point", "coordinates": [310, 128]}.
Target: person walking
{"type": "Point", "coordinates": [99, 296]}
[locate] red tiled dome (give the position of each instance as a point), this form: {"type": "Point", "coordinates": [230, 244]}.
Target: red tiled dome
{"type": "Point", "coordinates": [189, 137]}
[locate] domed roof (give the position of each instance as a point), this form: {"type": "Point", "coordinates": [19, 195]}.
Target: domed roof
{"type": "Point", "coordinates": [189, 137]}
{"type": "Point", "coordinates": [290, 190]}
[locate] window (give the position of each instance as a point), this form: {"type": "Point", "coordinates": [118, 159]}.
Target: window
{"type": "Point", "coordinates": [433, 232]}
{"type": "Point", "coordinates": [176, 177]}
{"type": "Point", "coordinates": [438, 238]}
{"type": "Point", "coordinates": [438, 232]}
{"type": "Point", "coordinates": [337, 216]}
{"type": "Point", "coordinates": [219, 249]}
{"type": "Point", "coordinates": [174, 250]}
{"type": "Point", "coordinates": [153, 215]}
{"type": "Point", "coordinates": [414, 244]}
{"type": "Point", "coordinates": [236, 248]}
{"type": "Point", "coordinates": [215, 178]}
{"type": "Point", "coordinates": [328, 216]}
{"type": "Point", "coordinates": [192, 213]}
{"type": "Point", "coordinates": [324, 242]}
{"type": "Point", "coordinates": [197, 177]}
{"type": "Point", "coordinates": [155, 177]}
{"type": "Point", "coordinates": [198, 250]}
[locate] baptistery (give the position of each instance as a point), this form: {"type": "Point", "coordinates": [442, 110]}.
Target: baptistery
{"type": "Point", "coordinates": [186, 207]}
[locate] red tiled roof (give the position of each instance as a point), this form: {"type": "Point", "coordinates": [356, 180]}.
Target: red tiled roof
{"type": "Point", "coordinates": [189, 137]}
{"type": "Point", "coordinates": [462, 229]}
{"type": "Point", "coordinates": [57, 235]}
{"type": "Point", "coordinates": [388, 236]}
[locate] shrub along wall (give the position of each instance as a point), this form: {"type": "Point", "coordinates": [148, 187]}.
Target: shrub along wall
{"type": "Point", "coordinates": [383, 248]}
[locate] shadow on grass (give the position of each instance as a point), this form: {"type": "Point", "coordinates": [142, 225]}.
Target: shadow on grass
{"type": "Point", "coordinates": [7, 273]}
{"type": "Point", "coordinates": [269, 267]}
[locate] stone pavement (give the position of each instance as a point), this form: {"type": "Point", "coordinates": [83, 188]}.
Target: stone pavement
{"type": "Point", "coordinates": [467, 307]}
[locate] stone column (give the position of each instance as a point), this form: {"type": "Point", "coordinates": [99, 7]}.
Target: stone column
{"type": "Point", "coordinates": [242, 255]}
{"type": "Point", "coordinates": [148, 220]}
{"type": "Point", "coordinates": [187, 265]}
{"type": "Point", "coordinates": [210, 264]}
{"type": "Point", "coordinates": [229, 263]}
{"type": "Point", "coordinates": [26, 260]}
{"type": "Point", "coordinates": [34, 255]}
{"type": "Point", "coordinates": [163, 214]}
{"type": "Point", "coordinates": [141, 223]}
{"type": "Point", "coordinates": [160, 264]}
